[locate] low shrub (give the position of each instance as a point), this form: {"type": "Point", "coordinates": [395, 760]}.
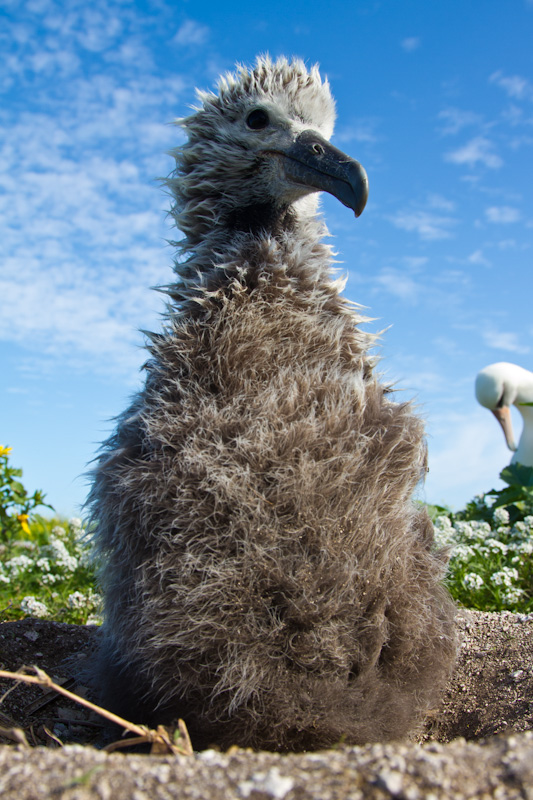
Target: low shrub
{"type": "Point", "coordinates": [44, 563]}
{"type": "Point", "coordinates": [491, 545]}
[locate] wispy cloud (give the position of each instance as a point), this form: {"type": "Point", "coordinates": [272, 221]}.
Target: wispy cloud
{"type": "Point", "coordinates": [504, 340]}
{"type": "Point", "coordinates": [399, 284]}
{"type": "Point", "coordinates": [410, 43]}
{"type": "Point", "coordinates": [415, 263]}
{"type": "Point", "coordinates": [440, 203]}
{"type": "Point", "coordinates": [191, 33]}
{"type": "Point", "coordinates": [477, 257]}
{"type": "Point", "coordinates": [360, 130]}
{"type": "Point", "coordinates": [515, 86]}
{"type": "Point", "coordinates": [455, 119]}
{"type": "Point", "coordinates": [448, 346]}
{"type": "Point", "coordinates": [478, 150]}
{"type": "Point", "coordinates": [82, 220]}
{"type": "Point", "coordinates": [427, 225]}
{"type": "Point", "coordinates": [502, 214]}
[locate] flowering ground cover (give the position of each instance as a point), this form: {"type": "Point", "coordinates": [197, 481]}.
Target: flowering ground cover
{"type": "Point", "coordinates": [44, 563]}
{"type": "Point", "coordinates": [47, 574]}
{"type": "Point", "coordinates": [491, 568]}
{"type": "Point", "coordinates": [491, 545]}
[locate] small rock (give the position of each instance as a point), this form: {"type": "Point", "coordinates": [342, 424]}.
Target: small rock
{"type": "Point", "coordinates": [391, 780]}
{"type": "Point", "coordinates": [271, 783]}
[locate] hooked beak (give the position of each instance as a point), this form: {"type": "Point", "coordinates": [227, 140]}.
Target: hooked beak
{"type": "Point", "coordinates": [312, 161]}
{"type": "Point", "coordinates": [503, 415]}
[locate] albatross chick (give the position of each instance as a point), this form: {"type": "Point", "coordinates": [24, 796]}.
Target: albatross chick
{"type": "Point", "coordinates": [266, 573]}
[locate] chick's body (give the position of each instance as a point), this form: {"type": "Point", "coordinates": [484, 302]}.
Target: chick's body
{"type": "Point", "coordinates": [266, 573]}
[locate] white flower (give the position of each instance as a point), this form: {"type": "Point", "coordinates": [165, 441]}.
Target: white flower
{"type": "Point", "coordinates": [496, 546]}
{"type": "Point", "coordinates": [49, 578]}
{"type": "Point", "coordinates": [19, 564]}
{"type": "Point", "coordinates": [43, 564]}
{"type": "Point", "coordinates": [80, 600]}
{"type": "Point", "coordinates": [77, 600]}
{"type": "Point", "coordinates": [94, 619]}
{"type": "Point", "coordinates": [472, 580]}
{"type": "Point", "coordinates": [512, 596]}
{"type": "Point", "coordinates": [33, 607]}
{"type": "Point", "coordinates": [58, 530]}
{"type": "Point", "coordinates": [501, 516]}
{"type": "Point", "coordinates": [75, 523]}
{"type": "Point", "coordinates": [443, 522]}
{"type": "Point", "coordinates": [94, 598]}
{"type": "Point", "coordinates": [463, 552]}
{"type": "Point", "coordinates": [443, 531]}
{"type": "Point", "coordinates": [464, 529]}
{"type": "Point", "coordinates": [505, 576]}
{"type": "Point", "coordinates": [59, 555]}
{"type": "Point", "coordinates": [480, 530]}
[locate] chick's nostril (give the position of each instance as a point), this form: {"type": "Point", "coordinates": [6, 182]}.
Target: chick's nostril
{"type": "Point", "coordinates": [318, 149]}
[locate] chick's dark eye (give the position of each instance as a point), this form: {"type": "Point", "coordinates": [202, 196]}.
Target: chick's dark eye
{"type": "Point", "coordinates": [257, 120]}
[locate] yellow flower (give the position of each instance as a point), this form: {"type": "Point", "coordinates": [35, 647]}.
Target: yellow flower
{"type": "Point", "coordinates": [23, 519]}
{"type": "Point", "coordinates": [5, 450]}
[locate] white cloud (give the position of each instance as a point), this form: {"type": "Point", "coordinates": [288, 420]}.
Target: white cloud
{"type": "Point", "coordinates": [477, 150]}
{"type": "Point", "coordinates": [191, 33]}
{"type": "Point", "coordinates": [415, 262]}
{"type": "Point", "coordinates": [441, 203]}
{"type": "Point", "coordinates": [504, 340]}
{"type": "Point", "coordinates": [410, 43]}
{"type": "Point", "coordinates": [423, 382]}
{"type": "Point", "coordinates": [502, 214]}
{"type": "Point", "coordinates": [427, 225]}
{"type": "Point", "coordinates": [361, 130]}
{"type": "Point", "coordinates": [399, 284]}
{"type": "Point", "coordinates": [82, 220]}
{"type": "Point", "coordinates": [456, 119]}
{"type": "Point", "coordinates": [477, 257]}
{"type": "Point", "coordinates": [448, 346]}
{"type": "Point", "coordinates": [515, 86]}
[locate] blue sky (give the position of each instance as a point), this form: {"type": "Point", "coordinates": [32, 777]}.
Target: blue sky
{"type": "Point", "coordinates": [436, 101]}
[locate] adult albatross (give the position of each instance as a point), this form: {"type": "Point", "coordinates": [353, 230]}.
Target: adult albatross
{"type": "Point", "coordinates": [498, 387]}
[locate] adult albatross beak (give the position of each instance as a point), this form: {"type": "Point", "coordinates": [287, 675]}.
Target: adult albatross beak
{"type": "Point", "coordinates": [503, 415]}
{"type": "Point", "coordinates": [312, 161]}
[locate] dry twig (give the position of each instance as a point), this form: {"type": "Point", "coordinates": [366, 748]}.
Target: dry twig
{"type": "Point", "coordinates": [162, 740]}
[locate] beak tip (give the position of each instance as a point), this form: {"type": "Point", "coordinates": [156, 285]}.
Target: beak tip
{"type": "Point", "coordinates": [363, 192]}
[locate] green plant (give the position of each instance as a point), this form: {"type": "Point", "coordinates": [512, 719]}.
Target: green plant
{"type": "Point", "coordinates": [44, 563]}
{"type": "Point", "coordinates": [516, 498]}
{"type": "Point", "coordinates": [491, 544]}
{"type": "Point", "coordinates": [16, 506]}
{"type": "Point", "coordinates": [50, 574]}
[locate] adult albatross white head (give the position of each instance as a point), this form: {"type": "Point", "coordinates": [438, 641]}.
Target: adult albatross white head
{"type": "Point", "coordinates": [498, 387]}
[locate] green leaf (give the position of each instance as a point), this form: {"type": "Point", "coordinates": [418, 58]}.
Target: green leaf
{"type": "Point", "coordinates": [517, 475]}
{"type": "Point", "coordinates": [511, 494]}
